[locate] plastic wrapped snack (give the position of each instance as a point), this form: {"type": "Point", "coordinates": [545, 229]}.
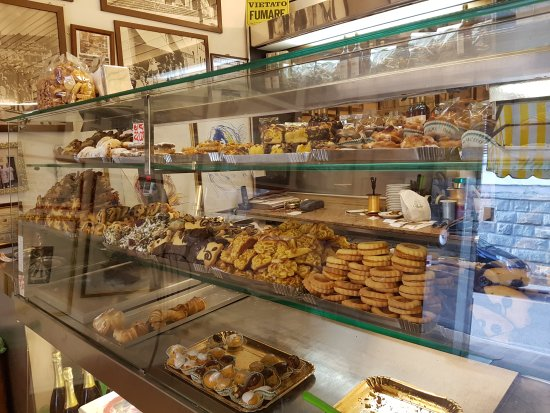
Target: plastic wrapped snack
{"type": "Point", "coordinates": [65, 80]}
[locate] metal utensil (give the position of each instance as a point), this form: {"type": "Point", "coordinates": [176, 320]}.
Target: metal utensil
{"type": "Point", "coordinates": [373, 184]}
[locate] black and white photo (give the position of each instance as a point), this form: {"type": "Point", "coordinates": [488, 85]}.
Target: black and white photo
{"type": "Point", "coordinates": [28, 39]}
{"type": "Point", "coordinates": [156, 55]}
{"type": "Point", "coordinates": [89, 44]}
{"type": "Point", "coordinates": [198, 14]}
{"type": "Point", "coordinates": [12, 169]}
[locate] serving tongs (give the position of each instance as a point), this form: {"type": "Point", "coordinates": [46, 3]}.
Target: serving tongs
{"type": "Point", "coordinates": [446, 224]}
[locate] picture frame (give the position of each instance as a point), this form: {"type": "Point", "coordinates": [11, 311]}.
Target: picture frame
{"type": "Point", "coordinates": [155, 54]}
{"type": "Point", "coordinates": [88, 43]}
{"type": "Point", "coordinates": [18, 76]}
{"type": "Point", "coordinates": [9, 213]}
{"type": "Point", "coordinates": [13, 176]}
{"type": "Point", "coordinates": [219, 61]}
{"type": "Point", "coordinates": [197, 14]}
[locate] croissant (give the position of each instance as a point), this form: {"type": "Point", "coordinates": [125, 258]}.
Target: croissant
{"type": "Point", "coordinates": [123, 336]}
{"type": "Point", "coordinates": [156, 319]}
{"type": "Point", "coordinates": [175, 314]}
{"type": "Point", "coordinates": [141, 328]}
{"type": "Point", "coordinates": [194, 305]}
{"type": "Point", "coordinates": [108, 321]}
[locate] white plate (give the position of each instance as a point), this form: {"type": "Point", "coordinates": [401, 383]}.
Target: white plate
{"type": "Point", "coordinates": [389, 215]}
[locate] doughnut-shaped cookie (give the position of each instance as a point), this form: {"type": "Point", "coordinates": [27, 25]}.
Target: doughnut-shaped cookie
{"type": "Point", "coordinates": [408, 263]}
{"type": "Point", "coordinates": [335, 271]}
{"type": "Point", "coordinates": [384, 312]}
{"type": "Point", "coordinates": [337, 261]}
{"type": "Point", "coordinates": [385, 272]}
{"type": "Point", "coordinates": [347, 251]}
{"type": "Point", "coordinates": [424, 276]}
{"type": "Point", "coordinates": [334, 277]}
{"type": "Point", "coordinates": [412, 249]}
{"type": "Point", "coordinates": [372, 245]}
{"type": "Point", "coordinates": [357, 267]}
{"type": "Point", "coordinates": [372, 253]}
{"type": "Point", "coordinates": [334, 297]}
{"type": "Point", "coordinates": [368, 293]}
{"type": "Point", "coordinates": [415, 290]}
{"type": "Point", "coordinates": [356, 303]}
{"type": "Point", "coordinates": [385, 279]}
{"type": "Point", "coordinates": [408, 270]}
{"type": "Point", "coordinates": [374, 302]}
{"type": "Point", "coordinates": [398, 301]}
{"type": "Point", "coordinates": [407, 256]}
{"type": "Point", "coordinates": [350, 258]}
{"type": "Point", "coordinates": [423, 318]}
{"type": "Point", "coordinates": [380, 286]}
{"type": "Point", "coordinates": [415, 310]}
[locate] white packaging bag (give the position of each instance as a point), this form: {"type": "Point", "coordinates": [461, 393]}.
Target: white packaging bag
{"type": "Point", "coordinates": [415, 207]}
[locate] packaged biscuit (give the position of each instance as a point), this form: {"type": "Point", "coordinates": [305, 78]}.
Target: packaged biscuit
{"type": "Point", "coordinates": [65, 80]}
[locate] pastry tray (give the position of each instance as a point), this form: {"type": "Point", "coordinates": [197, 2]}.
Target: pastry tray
{"type": "Point", "coordinates": [384, 394]}
{"type": "Point", "coordinates": [65, 158]}
{"type": "Point", "coordinates": [214, 297]}
{"type": "Point", "coordinates": [123, 286]}
{"type": "Point", "coordinates": [252, 350]}
{"type": "Point", "coordinates": [368, 317]}
{"type": "Point", "coordinates": [378, 155]}
{"type": "Point", "coordinates": [268, 158]}
{"type": "Point", "coordinates": [129, 159]}
{"type": "Point", "coordinates": [179, 158]}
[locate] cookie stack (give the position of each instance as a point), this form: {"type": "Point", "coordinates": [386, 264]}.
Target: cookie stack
{"type": "Point", "coordinates": [382, 284]}
{"type": "Point", "coordinates": [417, 284]}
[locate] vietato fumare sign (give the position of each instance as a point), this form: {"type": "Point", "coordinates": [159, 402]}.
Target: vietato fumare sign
{"type": "Point", "coordinates": [260, 11]}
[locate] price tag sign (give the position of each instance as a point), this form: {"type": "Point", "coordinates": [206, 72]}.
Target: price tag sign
{"type": "Point", "coordinates": [138, 132]}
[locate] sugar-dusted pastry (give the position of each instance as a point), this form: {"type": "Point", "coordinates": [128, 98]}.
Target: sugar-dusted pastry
{"type": "Point", "coordinates": [256, 150]}
{"type": "Point", "coordinates": [108, 321]}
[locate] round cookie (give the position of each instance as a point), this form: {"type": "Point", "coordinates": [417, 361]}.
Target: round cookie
{"type": "Point", "coordinates": [356, 303]}
{"type": "Point", "coordinates": [387, 271]}
{"type": "Point", "coordinates": [409, 270]}
{"type": "Point", "coordinates": [372, 245]}
{"type": "Point", "coordinates": [384, 312]}
{"type": "Point", "coordinates": [414, 250]}
{"type": "Point", "coordinates": [408, 263]}
{"type": "Point", "coordinates": [368, 293]}
{"type": "Point", "coordinates": [398, 301]}
{"type": "Point", "coordinates": [424, 276]}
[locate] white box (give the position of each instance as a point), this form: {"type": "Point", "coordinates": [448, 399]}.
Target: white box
{"type": "Point", "coordinates": [111, 402]}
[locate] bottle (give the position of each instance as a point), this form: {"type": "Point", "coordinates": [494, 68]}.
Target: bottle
{"type": "Point", "coordinates": [90, 391]}
{"type": "Point", "coordinates": [422, 111]}
{"type": "Point", "coordinates": [344, 63]}
{"type": "Point", "coordinates": [356, 61]}
{"type": "Point", "coordinates": [410, 110]}
{"type": "Point", "coordinates": [71, 402]}
{"type": "Point", "coordinates": [57, 400]}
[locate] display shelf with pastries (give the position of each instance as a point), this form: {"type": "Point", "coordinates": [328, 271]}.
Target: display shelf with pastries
{"type": "Point", "coordinates": [187, 302]}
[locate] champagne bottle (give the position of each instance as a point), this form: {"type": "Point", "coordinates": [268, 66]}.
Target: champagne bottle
{"type": "Point", "coordinates": [57, 400]}
{"type": "Point", "coordinates": [71, 402]}
{"type": "Point", "coordinates": [90, 391]}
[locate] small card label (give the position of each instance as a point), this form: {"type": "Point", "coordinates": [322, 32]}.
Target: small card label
{"type": "Point", "coordinates": [138, 132]}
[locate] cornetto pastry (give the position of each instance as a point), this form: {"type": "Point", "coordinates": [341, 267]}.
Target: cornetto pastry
{"type": "Point", "coordinates": [108, 321]}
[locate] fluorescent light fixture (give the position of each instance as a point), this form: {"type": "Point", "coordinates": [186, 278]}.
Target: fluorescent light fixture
{"type": "Point", "coordinates": [396, 17]}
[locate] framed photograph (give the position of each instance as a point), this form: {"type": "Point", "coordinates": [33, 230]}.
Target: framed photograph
{"type": "Point", "coordinates": [40, 265]}
{"type": "Point", "coordinates": [218, 61]}
{"type": "Point", "coordinates": [88, 44]}
{"type": "Point", "coordinates": [24, 53]}
{"type": "Point", "coordinates": [197, 14]}
{"type": "Point", "coordinates": [13, 176]}
{"type": "Point", "coordinates": [155, 54]}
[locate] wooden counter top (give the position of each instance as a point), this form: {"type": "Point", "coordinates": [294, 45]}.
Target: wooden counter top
{"type": "Point", "coordinates": [334, 214]}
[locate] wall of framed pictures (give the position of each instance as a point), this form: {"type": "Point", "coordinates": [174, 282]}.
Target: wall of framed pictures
{"type": "Point", "coordinates": [89, 32]}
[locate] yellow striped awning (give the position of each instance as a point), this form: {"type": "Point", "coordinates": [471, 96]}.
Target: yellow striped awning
{"type": "Point", "coordinates": [523, 131]}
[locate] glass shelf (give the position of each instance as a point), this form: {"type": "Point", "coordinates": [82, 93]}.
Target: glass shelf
{"type": "Point", "coordinates": [224, 167]}
{"type": "Point", "coordinates": [207, 95]}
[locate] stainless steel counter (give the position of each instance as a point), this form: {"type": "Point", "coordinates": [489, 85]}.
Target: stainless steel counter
{"type": "Point", "coordinates": [342, 355]}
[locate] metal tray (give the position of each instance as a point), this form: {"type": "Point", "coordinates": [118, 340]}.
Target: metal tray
{"type": "Point", "coordinates": [179, 158]}
{"type": "Point", "coordinates": [268, 158]}
{"type": "Point", "coordinates": [65, 158]}
{"type": "Point", "coordinates": [254, 285]}
{"type": "Point", "coordinates": [102, 159]}
{"type": "Point", "coordinates": [378, 155]}
{"type": "Point", "coordinates": [384, 394]}
{"type": "Point", "coordinates": [252, 350]}
{"type": "Point", "coordinates": [129, 159]}
{"type": "Point", "coordinates": [215, 298]}
{"type": "Point", "coordinates": [368, 317]}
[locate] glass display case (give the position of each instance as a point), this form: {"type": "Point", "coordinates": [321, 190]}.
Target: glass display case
{"type": "Point", "coordinates": [187, 246]}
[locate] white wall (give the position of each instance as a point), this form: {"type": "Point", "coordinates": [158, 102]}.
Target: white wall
{"type": "Point", "coordinates": [231, 41]}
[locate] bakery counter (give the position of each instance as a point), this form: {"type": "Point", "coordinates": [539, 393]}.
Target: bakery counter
{"type": "Point", "coordinates": [342, 356]}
